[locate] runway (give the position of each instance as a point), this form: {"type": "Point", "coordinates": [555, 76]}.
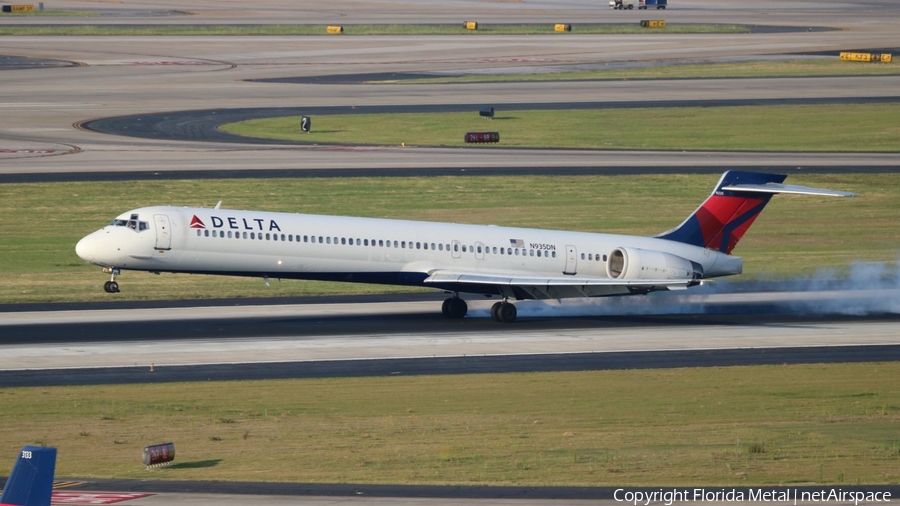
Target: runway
{"type": "Point", "coordinates": [229, 342]}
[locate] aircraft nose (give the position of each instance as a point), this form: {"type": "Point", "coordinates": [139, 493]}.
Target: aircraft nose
{"type": "Point", "coordinates": [87, 248]}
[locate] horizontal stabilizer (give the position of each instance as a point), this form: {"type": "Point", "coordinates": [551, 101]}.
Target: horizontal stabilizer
{"type": "Point", "coordinates": [786, 188]}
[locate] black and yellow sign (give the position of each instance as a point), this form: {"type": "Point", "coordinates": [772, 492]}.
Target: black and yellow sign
{"type": "Point", "coordinates": [653, 23]}
{"type": "Point", "coordinates": [18, 8]}
{"type": "Point", "coordinates": [867, 57]}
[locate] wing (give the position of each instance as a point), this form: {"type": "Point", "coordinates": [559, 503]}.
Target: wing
{"type": "Point", "coordinates": [549, 287]}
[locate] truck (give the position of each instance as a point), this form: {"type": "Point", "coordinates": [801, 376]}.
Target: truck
{"type": "Point", "coordinates": [641, 4]}
{"type": "Point", "coordinates": [659, 4]}
{"type": "Point", "coordinates": [622, 4]}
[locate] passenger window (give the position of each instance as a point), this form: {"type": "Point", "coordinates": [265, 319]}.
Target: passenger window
{"type": "Point", "coordinates": [456, 247]}
{"type": "Point", "coordinates": [403, 244]}
{"type": "Point", "coordinates": [357, 242]}
{"type": "Point", "coordinates": [229, 234]}
{"type": "Point", "coordinates": [582, 256]}
{"type": "Point", "coordinates": [479, 249]}
{"type": "Point", "coordinates": [343, 240]}
{"type": "Point", "coordinates": [381, 242]}
{"type": "Point", "coordinates": [199, 232]}
{"type": "Point", "coordinates": [432, 245]}
{"type": "Point", "coordinates": [365, 242]}
{"type": "Point", "coordinates": [531, 252]}
{"type": "Point", "coordinates": [290, 238]}
{"type": "Point", "coordinates": [554, 254]}
{"type": "Point", "coordinates": [395, 244]}
{"type": "Point", "coordinates": [464, 248]}
{"type": "Point", "coordinates": [502, 250]}
{"type": "Point", "coordinates": [440, 247]}
{"type": "Point", "coordinates": [539, 252]}
{"type": "Point", "coordinates": [418, 245]}
{"type": "Point", "coordinates": [245, 235]}
{"type": "Point", "coordinates": [268, 238]}
{"type": "Point", "coordinates": [144, 225]}
{"type": "Point", "coordinates": [509, 251]}
{"type": "Point", "coordinates": [305, 238]}
{"type": "Point", "coordinates": [328, 240]}
{"type": "Point", "coordinates": [604, 258]}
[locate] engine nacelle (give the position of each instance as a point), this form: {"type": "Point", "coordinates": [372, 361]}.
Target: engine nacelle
{"type": "Point", "coordinates": [634, 263]}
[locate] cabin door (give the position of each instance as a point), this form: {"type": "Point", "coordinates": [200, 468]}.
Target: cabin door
{"type": "Point", "coordinates": [571, 260]}
{"type": "Point", "coordinates": [163, 231]}
{"type": "Point", "coordinates": [455, 252]}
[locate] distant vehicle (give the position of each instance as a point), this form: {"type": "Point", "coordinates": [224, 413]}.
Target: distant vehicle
{"type": "Point", "coordinates": [31, 481]}
{"type": "Point", "coordinates": [622, 4]}
{"type": "Point", "coordinates": [659, 4]}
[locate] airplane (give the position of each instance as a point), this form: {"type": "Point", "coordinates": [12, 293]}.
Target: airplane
{"type": "Point", "coordinates": [31, 481]}
{"type": "Point", "coordinates": [507, 262]}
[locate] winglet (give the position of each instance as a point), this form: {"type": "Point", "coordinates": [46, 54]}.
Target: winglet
{"type": "Point", "coordinates": [31, 481]}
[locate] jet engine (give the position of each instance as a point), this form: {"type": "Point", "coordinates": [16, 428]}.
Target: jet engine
{"type": "Point", "coordinates": [634, 263]}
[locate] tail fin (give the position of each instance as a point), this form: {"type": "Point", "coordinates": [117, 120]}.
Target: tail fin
{"type": "Point", "coordinates": [31, 481]}
{"type": "Point", "coordinates": [739, 197]}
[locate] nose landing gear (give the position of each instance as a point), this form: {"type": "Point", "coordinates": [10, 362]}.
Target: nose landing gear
{"type": "Point", "coordinates": [111, 286]}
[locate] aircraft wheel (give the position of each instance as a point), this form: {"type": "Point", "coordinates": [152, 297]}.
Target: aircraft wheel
{"type": "Point", "coordinates": [507, 312]}
{"type": "Point", "coordinates": [106, 287]}
{"type": "Point", "coordinates": [456, 308]}
{"type": "Point", "coordinates": [445, 308]}
{"type": "Point", "coordinates": [495, 310]}
{"type": "Point", "coordinates": [630, 7]}
{"type": "Point", "coordinates": [113, 287]}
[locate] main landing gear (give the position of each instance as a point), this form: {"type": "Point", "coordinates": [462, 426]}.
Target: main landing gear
{"type": "Point", "coordinates": [454, 307]}
{"type": "Point", "coordinates": [111, 286]}
{"type": "Point", "coordinates": [503, 312]}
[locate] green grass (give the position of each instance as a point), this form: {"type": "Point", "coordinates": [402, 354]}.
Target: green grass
{"type": "Point", "coordinates": [794, 236]}
{"type": "Point", "coordinates": [766, 425]}
{"type": "Point", "coordinates": [498, 29]}
{"type": "Point", "coordinates": [866, 127]}
{"type": "Point", "coordinates": [798, 68]}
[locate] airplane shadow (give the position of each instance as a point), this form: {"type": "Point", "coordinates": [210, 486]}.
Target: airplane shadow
{"type": "Point", "coordinates": [196, 464]}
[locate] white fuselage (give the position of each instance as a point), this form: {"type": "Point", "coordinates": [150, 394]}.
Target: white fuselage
{"type": "Point", "coordinates": [302, 246]}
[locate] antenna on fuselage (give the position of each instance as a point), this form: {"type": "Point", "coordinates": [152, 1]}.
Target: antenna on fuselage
{"type": "Point", "coordinates": [218, 205]}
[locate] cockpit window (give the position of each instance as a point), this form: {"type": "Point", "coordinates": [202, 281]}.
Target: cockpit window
{"type": "Point", "coordinates": [133, 224]}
